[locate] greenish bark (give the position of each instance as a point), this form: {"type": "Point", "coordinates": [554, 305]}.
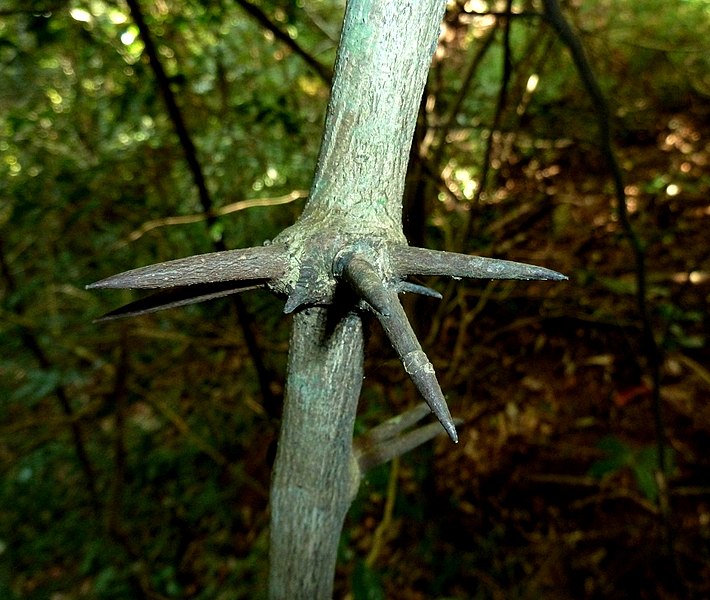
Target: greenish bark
{"type": "Point", "coordinates": [383, 59]}
{"type": "Point", "coordinates": [315, 476]}
{"type": "Point", "coordinates": [384, 56]}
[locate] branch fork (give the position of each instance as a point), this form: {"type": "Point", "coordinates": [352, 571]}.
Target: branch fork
{"type": "Point", "coordinates": [375, 272]}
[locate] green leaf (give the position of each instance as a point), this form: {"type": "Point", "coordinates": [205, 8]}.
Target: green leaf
{"type": "Point", "coordinates": [619, 286]}
{"type": "Point", "coordinates": [646, 480]}
{"type": "Point", "coordinates": [645, 467]}
{"type": "Point", "coordinates": [643, 463]}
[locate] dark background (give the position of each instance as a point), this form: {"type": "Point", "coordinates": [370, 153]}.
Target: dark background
{"type": "Point", "coordinates": [136, 455]}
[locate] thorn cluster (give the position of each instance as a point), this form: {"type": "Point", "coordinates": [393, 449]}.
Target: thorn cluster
{"type": "Point", "coordinates": [359, 265]}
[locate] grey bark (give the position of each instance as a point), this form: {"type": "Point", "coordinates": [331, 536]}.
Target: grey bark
{"type": "Point", "coordinates": [383, 59]}
{"type": "Point", "coordinates": [315, 476]}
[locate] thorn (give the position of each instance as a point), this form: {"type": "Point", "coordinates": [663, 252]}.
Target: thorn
{"type": "Point", "coordinates": [302, 293]}
{"type": "Point", "coordinates": [415, 288]}
{"type": "Point", "coordinates": [365, 280]}
{"type": "Point", "coordinates": [178, 296]}
{"type": "Point", "coordinates": [417, 365]}
{"type": "Point", "coordinates": [297, 298]}
{"type": "Point", "coordinates": [368, 284]}
{"type": "Point", "coordinates": [260, 262]}
{"type": "Point", "coordinates": [407, 260]}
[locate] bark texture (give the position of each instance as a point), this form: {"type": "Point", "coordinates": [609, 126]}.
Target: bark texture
{"type": "Point", "coordinates": [383, 59]}
{"type": "Point", "coordinates": [315, 476]}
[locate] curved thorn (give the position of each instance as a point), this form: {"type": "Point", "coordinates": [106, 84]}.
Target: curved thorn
{"type": "Point", "coordinates": [415, 288]}
{"type": "Point", "coordinates": [261, 262]}
{"type": "Point", "coordinates": [178, 296]}
{"type": "Point", "coordinates": [365, 280]}
{"type": "Point", "coordinates": [407, 260]}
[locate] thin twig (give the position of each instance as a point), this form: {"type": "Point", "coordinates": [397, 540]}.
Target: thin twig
{"type": "Point", "coordinates": [448, 122]}
{"type": "Point", "coordinates": [174, 111]}
{"type": "Point", "coordinates": [32, 342]}
{"type": "Point", "coordinates": [262, 18]}
{"type": "Point", "coordinates": [391, 438]}
{"type": "Point", "coordinates": [557, 20]}
{"type": "Point", "coordinates": [218, 212]}
{"type": "Point", "coordinates": [497, 116]}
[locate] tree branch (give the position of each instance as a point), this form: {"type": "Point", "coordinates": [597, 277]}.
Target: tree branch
{"type": "Point", "coordinates": [32, 342]}
{"type": "Point", "coordinates": [390, 439]}
{"type": "Point", "coordinates": [350, 232]}
{"type": "Point", "coordinates": [555, 17]}
{"type": "Point", "coordinates": [173, 109]}
{"type": "Point", "coordinates": [262, 18]}
{"type": "Point", "coordinates": [315, 476]}
{"type": "Point", "coordinates": [497, 116]}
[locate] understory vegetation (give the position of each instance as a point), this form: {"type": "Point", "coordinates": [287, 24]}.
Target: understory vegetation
{"type": "Point", "coordinates": [136, 455]}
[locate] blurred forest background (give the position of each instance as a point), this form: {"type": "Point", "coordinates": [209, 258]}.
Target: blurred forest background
{"type": "Point", "coordinates": [136, 454]}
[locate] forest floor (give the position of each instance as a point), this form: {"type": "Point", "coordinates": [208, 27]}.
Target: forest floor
{"type": "Point", "coordinates": [553, 490]}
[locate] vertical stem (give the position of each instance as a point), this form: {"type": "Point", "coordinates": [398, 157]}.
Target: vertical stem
{"type": "Point", "coordinates": [556, 18]}
{"type": "Point", "coordinates": [315, 475]}
{"type": "Point", "coordinates": [383, 59]}
{"type": "Point", "coordinates": [497, 116]}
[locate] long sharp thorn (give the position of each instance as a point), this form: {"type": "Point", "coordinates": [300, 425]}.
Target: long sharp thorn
{"type": "Point", "coordinates": [407, 260]}
{"type": "Point", "coordinates": [179, 296]}
{"type": "Point", "coordinates": [389, 312]}
{"type": "Point", "coordinates": [415, 288]}
{"type": "Point", "coordinates": [417, 365]}
{"type": "Point", "coordinates": [261, 262]}
{"type": "Point", "coordinates": [369, 285]}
